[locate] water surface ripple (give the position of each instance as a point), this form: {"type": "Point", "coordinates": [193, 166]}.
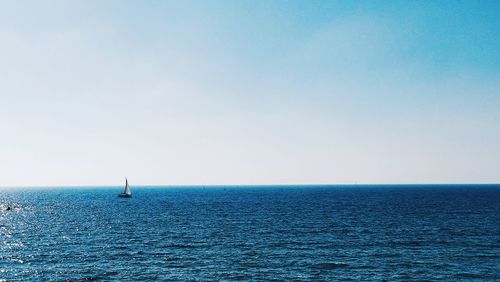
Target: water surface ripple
{"type": "Point", "coordinates": [347, 233]}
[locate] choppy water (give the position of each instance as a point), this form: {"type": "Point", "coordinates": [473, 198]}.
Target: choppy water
{"type": "Point", "coordinates": [253, 233]}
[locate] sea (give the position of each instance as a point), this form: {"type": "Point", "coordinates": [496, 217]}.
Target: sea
{"type": "Point", "coordinates": [251, 233]}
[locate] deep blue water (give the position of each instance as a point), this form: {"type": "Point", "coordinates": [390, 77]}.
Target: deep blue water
{"type": "Point", "coordinates": [252, 233]}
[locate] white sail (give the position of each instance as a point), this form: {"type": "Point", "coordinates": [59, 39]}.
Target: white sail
{"type": "Point", "coordinates": [127, 188]}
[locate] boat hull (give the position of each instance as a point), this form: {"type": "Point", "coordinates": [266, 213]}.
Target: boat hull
{"type": "Point", "coordinates": [123, 195]}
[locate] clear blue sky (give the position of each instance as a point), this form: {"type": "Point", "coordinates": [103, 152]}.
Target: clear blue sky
{"type": "Point", "coordinates": [249, 92]}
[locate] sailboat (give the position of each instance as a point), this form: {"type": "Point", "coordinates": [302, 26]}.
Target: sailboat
{"type": "Point", "coordinates": [126, 193]}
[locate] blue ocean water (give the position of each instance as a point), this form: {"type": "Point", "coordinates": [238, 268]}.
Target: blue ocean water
{"type": "Point", "coordinates": [328, 233]}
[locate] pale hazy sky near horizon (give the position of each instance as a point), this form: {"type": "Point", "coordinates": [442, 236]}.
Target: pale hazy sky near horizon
{"type": "Point", "coordinates": [249, 92]}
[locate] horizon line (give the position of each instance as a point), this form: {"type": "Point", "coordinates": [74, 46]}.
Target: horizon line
{"type": "Point", "coordinates": [246, 185]}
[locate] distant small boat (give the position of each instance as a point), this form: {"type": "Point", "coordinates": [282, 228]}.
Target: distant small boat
{"type": "Point", "coordinates": [126, 193]}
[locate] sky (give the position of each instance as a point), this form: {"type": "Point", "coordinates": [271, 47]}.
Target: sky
{"type": "Point", "coordinates": [249, 92]}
